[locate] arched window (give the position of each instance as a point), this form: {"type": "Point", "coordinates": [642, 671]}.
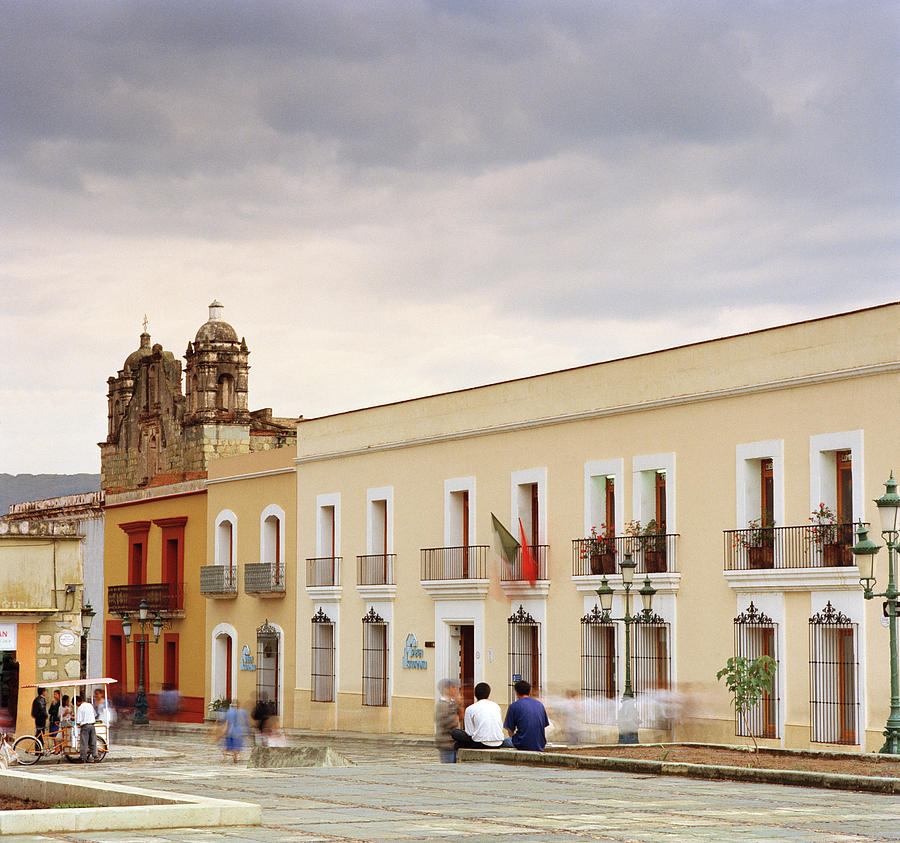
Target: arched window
{"type": "Point", "coordinates": [225, 538]}
{"type": "Point", "coordinates": [271, 550]}
{"type": "Point", "coordinates": [225, 393]}
{"type": "Point", "coordinates": [271, 534]}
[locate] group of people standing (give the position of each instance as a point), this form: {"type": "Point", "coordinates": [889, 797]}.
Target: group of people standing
{"type": "Point", "coordinates": [56, 720]}
{"type": "Point", "coordinates": [526, 721]}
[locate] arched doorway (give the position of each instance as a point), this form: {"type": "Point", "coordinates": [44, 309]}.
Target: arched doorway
{"type": "Point", "coordinates": [222, 665]}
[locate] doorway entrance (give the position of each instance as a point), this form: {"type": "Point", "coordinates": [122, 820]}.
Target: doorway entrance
{"type": "Point", "coordinates": [9, 690]}
{"type": "Point", "coordinates": [462, 659]}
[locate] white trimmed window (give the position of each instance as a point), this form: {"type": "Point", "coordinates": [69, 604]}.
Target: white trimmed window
{"type": "Point", "coordinates": [271, 535]}
{"type": "Point", "coordinates": [322, 642]}
{"type": "Point", "coordinates": [528, 504]}
{"type": "Point", "coordinates": [225, 538]}
{"type": "Point", "coordinates": [604, 498]}
{"type": "Point", "coordinates": [653, 492]}
{"type": "Point", "coordinates": [759, 469]}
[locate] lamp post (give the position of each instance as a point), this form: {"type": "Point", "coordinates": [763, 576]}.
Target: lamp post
{"type": "Point", "coordinates": [865, 551]}
{"type": "Point", "coordinates": [87, 616]}
{"type": "Point", "coordinates": [628, 719]}
{"type": "Point", "coordinates": [141, 639]}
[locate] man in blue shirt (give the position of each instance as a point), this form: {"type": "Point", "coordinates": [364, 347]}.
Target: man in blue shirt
{"type": "Point", "coordinates": [526, 720]}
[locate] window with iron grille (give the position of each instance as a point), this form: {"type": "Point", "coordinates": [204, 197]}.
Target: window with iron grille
{"type": "Point", "coordinates": [833, 672]}
{"type": "Point", "coordinates": [650, 670]}
{"type": "Point", "coordinates": [755, 635]}
{"type": "Point", "coordinates": [267, 652]}
{"type": "Point", "coordinates": [322, 657]}
{"type": "Point", "coordinates": [598, 667]}
{"type": "Point", "coordinates": [375, 659]}
{"type": "Point", "coordinates": [524, 651]}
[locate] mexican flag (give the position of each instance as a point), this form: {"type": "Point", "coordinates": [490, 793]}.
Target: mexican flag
{"type": "Point", "coordinates": [529, 564]}
{"type": "Point", "coordinates": [505, 544]}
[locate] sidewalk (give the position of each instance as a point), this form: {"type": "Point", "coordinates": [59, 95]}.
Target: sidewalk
{"type": "Point", "coordinates": [397, 791]}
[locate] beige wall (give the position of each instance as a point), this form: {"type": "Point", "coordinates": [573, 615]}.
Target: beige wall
{"type": "Point", "coordinates": [697, 403]}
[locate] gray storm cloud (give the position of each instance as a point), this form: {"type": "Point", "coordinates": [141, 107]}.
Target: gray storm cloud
{"type": "Point", "coordinates": [432, 177]}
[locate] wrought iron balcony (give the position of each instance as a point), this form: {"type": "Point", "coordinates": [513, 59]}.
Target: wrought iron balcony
{"type": "Point", "coordinates": [159, 597]}
{"type": "Point", "coordinates": [454, 563]}
{"type": "Point", "coordinates": [806, 546]}
{"type": "Point", "coordinates": [323, 571]}
{"type": "Point", "coordinates": [516, 573]}
{"type": "Point", "coordinates": [654, 554]}
{"type": "Point", "coordinates": [263, 577]}
{"type": "Point", "coordinates": [375, 569]}
{"type": "Point", "coordinates": [218, 580]}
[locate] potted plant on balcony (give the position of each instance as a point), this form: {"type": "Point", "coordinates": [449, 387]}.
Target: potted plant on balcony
{"type": "Point", "coordinates": [759, 541]}
{"type": "Point", "coordinates": [599, 549]}
{"type": "Point", "coordinates": [828, 536]}
{"type": "Point", "coordinates": [650, 540]}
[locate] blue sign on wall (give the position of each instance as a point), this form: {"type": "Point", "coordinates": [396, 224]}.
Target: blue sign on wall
{"type": "Point", "coordinates": [413, 656]}
{"type": "Point", "coordinates": [247, 659]}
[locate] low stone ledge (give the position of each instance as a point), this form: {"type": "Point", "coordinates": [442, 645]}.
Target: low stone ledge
{"type": "Point", "coordinates": [796, 778]}
{"type": "Point", "coordinates": [120, 807]}
{"type": "Point", "coordinates": [297, 756]}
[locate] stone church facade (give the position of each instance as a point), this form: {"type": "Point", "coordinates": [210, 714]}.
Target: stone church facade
{"type": "Point", "coordinates": [158, 434]}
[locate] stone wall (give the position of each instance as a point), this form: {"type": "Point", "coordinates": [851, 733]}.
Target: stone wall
{"type": "Point", "coordinates": [59, 647]}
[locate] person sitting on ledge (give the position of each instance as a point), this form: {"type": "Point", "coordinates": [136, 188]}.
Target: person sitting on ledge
{"type": "Point", "coordinates": [484, 724]}
{"type": "Point", "coordinates": [526, 720]}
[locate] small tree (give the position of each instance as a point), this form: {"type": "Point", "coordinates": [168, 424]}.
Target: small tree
{"type": "Point", "coordinates": [747, 680]}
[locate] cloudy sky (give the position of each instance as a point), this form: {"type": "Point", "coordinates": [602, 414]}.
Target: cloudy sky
{"type": "Point", "coordinates": [399, 197]}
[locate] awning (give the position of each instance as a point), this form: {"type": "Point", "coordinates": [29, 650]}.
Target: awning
{"type": "Point", "coordinates": [73, 683]}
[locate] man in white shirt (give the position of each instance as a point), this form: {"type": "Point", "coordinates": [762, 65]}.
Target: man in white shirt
{"type": "Point", "coordinates": [85, 716]}
{"type": "Point", "coordinates": [484, 723]}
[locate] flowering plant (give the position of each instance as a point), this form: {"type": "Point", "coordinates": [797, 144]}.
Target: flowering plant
{"type": "Point", "coordinates": [825, 528]}
{"type": "Point", "coordinates": [649, 536]}
{"type": "Point", "coordinates": [599, 543]}
{"type": "Point", "coordinates": [218, 705]}
{"type": "Point", "coordinates": [759, 533]}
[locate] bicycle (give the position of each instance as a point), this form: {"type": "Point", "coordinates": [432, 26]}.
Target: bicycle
{"type": "Point", "coordinates": [30, 749]}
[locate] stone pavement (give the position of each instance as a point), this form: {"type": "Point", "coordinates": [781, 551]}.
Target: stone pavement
{"type": "Point", "coordinates": [400, 792]}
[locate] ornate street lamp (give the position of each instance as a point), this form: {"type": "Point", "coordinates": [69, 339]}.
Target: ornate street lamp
{"type": "Point", "coordinates": [864, 551]}
{"type": "Point", "coordinates": [140, 701]}
{"type": "Point", "coordinates": [87, 616]}
{"type": "Point", "coordinates": [628, 719]}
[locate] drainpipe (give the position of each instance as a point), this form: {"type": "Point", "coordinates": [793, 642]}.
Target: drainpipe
{"type": "Point", "coordinates": [55, 595]}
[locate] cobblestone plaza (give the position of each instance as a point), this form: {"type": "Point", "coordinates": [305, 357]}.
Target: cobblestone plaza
{"type": "Point", "coordinates": [399, 792]}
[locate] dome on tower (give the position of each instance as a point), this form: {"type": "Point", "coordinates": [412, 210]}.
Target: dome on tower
{"type": "Point", "coordinates": [215, 329]}
{"type": "Point", "coordinates": [133, 360]}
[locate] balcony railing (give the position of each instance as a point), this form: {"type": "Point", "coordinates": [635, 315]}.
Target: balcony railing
{"type": "Point", "coordinates": [375, 569]}
{"type": "Point", "coordinates": [807, 546]}
{"type": "Point", "coordinates": [159, 596]}
{"type": "Point", "coordinates": [263, 577]}
{"type": "Point", "coordinates": [218, 580]}
{"type": "Point", "coordinates": [454, 563]}
{"type": "Point", "coordinates": [323, 571]}
{"type": "Point", "coordinates": [515, 572]}
{"type": "Point", "coordinates": [654, 554]}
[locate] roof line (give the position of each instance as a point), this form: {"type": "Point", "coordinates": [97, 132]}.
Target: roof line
{"type": "Point", "coordinates": [600, 362]}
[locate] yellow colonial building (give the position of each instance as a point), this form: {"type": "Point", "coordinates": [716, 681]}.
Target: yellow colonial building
{"type": "Point", "coordinates": [729, 471]}
{"type": "Point", "coordinates": [250, 580]}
